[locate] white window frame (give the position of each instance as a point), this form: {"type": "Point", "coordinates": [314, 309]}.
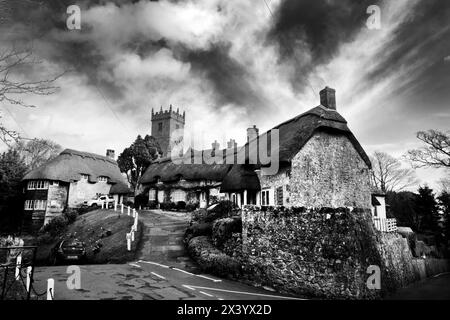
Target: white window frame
{"type": "Point", "coordinates": [152, 195]}
{"type": "Point", "coordinates": [37, 185]}
{"type": "Point", "coordinates": [84, 176]}
{"type": "Point", "coordinates": [35, 205]}
{"type": "Point", "coordinates": [102, 179]}
{"type": "Point", "coordinates": [265, 197]}
{"type": "Point", "coordinates": [176, 195]}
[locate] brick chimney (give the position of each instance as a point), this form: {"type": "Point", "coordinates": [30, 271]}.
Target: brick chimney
{"type": "Point", "coordinates": [252, 133]}
{"type": "Point", "coordinates": [215, 145]}
{"type": "Point", "coordinates": [231, 144]}
{"type": "Point", "coordinates": [111, 154]}
{"type": "Point", "coordinates": [328, 98]}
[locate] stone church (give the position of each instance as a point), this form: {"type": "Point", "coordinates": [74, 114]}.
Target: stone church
{"type": "Point", "coordinates": [321, 164]}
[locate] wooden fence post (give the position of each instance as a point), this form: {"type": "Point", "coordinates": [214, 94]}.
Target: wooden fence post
{"type": "Point", "coordinates": [132, 235]}
{"type": "Point", "coordinates": [29, 270]}
{"type": "Point", "coordinates": [50, 289]}
{"type": "Point", "coordinates": [18, 265]}
{"type": "Point", "coordinates": [115, 205]}
{"type": "Point", "coordinates": [128, 211]}
{"type": "Point", "coordinates": [121, 210]}
{"type": "Point", "coordinates": [128, 242]}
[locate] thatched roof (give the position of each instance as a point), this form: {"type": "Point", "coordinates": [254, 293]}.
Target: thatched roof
{"type": "Point", "coordinates": [70, 164]}
{"type": "Point", "coordinates": [240, 177]}
{"type": "Point", "coordinates": [166, 170]}
{"type": "Point", "coordinates": [295, 133]}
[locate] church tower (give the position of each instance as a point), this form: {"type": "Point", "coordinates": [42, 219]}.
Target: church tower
{"type": "Point", "coordinates": [167, 126]}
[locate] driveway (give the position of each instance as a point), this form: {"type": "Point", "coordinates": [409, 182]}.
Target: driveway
{"type": "Point", "coordinates": [163, 271]}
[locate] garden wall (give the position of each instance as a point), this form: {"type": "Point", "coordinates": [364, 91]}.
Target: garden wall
{"type": "Point", "coordinates": [326, 253]}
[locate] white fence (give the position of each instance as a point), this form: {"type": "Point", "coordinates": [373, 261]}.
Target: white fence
{"type": "Point", "coordinates": [130, 212]}
{"type": "Point", "coordinates": [385, 225]}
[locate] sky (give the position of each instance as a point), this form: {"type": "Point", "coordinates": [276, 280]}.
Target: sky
{"type": "Point", "coordinates": [231, 64]}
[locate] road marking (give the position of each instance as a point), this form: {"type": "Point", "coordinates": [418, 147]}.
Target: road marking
{"type": "Point", "coordinates": [184, 271]}
{"type": "Point", "coordinates": [440, 274]}
{"type": "Point", "coordinates": [243, 292]}
{"type": "Point", "coordinates": [134, 265]}
{"type": "Point", "coordinates": [156, 264]}
{"type": "Point", "coordinates": [206, 294]}
{"type": "Point", "coordinates": [189, 287]}
{"type": "Point", "coordinates": [205, 277]}
{"type": "Point", "coordinates": [159, 276]}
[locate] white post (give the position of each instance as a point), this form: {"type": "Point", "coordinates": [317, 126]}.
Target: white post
{"type": "Point", "coordinates": [121, 210]}
{"type": "Point", "coordinates": [115, 205]}
{"type": "Point", "coordinates": [244, 202]}
{"type": "Point", "coordinates": [50, 289]}
{"type": "Point", "coordinates": [18, 264]}
{"type": "Point", "coordinates": [134, 213]}
{"type": "Point", "coordinates": [132, 235]}
{"type": "Point", "coordinates": [128, 242]}
{"type": "Point", "coordinates": [29, 270]}
{"type": "Point", "coordinates": [258, 198]}
{"type": "Point", "coordinates": [128, 210]}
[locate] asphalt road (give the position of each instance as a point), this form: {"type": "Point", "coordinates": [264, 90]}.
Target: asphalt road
{"type": "Point", "coordinates": [434, 288]}
{"type": "Point", "coordinates": [163, 271]}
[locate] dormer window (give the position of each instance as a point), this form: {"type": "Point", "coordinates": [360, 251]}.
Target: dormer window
{"type": "Point", "coordinates": [84, 176]}
{"type": "Point", "coordinates": [102, 179]}
{"type": "Point", "coordinates": [158, 180]}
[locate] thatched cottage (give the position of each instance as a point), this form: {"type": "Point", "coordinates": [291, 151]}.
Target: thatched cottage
{"type": "Point", "coordinates": [67, 181]}
{"type": "Point", "coordinates": [320, 164]}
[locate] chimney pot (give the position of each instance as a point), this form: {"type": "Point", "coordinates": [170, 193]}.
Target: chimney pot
{"type": "Point", "coordinates": [111, 154]}
{"type": "Point", "coordinates": [252, 133]}
{"type": "Point", "coordinates": [328, 98]}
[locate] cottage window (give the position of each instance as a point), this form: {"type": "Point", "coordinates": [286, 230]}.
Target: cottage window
{"type": "Point", "coordinates": [29, 204]}
{"type": "Point", "coordinates": [178, 195]}
{"type": "Point", "coordinates": [102, 179]}
{"type": "Point", "coordinates": [265, 197]}
{"type": "Point", "coordinates": [279, 196]}
{"type": "Point", "coordinates": [84, 176]}
{"type": "Point", "coordinates": [37, 185]}
{"type": "Point", "coordinates": [152, 195]}
{"type": "Point", "coordinates": [55, 183]}
{"type": "Point", "coordinates": [35, 204]}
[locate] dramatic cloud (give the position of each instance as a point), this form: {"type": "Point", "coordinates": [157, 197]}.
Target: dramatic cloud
{"type": "Point", "coordinates": [231, 64]}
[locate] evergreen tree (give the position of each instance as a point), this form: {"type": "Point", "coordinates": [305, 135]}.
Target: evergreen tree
{"type": "Point", "coordinates": [135, 159]}
{"type": "Point", "coordinates": [444, 204]}
{"type": "Point", "coordinates": [12, 170]}
{"type": "Point", "coordinates": [428, 209]}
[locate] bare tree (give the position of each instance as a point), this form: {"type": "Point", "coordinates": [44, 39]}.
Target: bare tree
{"type": "Point", "coordinates": [13, 61]}
{"type": "Point", "coordinates": [388, 174]}
{"type": "Point", "coordinates": [436, 151]}
{"type": "Point", "coordinates": [35, 152]}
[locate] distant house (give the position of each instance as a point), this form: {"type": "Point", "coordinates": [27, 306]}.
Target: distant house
{"type": "Point", "coordinates": [321, 164]}
{"type": "Point", "coordinates": [67, 181]}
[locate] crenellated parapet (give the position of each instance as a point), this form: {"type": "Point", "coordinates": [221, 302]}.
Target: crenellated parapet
{"type": "Point", "coordinates": [167, 114]}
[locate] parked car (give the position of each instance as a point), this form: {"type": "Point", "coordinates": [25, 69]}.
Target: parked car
{"type": "Point", "coordinates": [68, 250]}
{"type": "Point", "coordinates": [99, 200]}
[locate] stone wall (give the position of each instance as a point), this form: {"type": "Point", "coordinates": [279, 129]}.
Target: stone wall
{"type": "Point", "coordinates": [329, 172]}
{"type": "Point", "coordinates": [326, 252]}
{"type": "Point", "coordinates": [323, 253]}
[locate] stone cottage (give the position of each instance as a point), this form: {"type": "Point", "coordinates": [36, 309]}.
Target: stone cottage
{"type": "Point", "coordinates": [67, 181]}
{"type": "Point", "coordinates": [321, 164]}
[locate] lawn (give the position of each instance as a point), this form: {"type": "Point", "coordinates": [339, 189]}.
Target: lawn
{"type": "Point", "coordinates": [104, 233]}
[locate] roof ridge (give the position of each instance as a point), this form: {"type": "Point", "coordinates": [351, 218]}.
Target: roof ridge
{"type": "Point", "coordinates": [88, 154]}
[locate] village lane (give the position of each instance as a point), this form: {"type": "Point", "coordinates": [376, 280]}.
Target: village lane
{"type": "Point", "coordinates": [163, 271]}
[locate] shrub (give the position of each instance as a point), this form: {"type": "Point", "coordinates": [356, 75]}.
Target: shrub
{"type": "Point", "coordinates": [191, 206]}
{"type": "Point", "coordinates": [56, 226]}
{"type": "Point", "coordinates": [199, 215]}
{"type": "Point", "coordinates": [181, 205]}
{"type": "Point", "coordinates": [196, 230]}
{"type": "Point", "coordinates": [223, 209]}
{"type": "Point", "coordinates": [167, 206]}
{"type": "Point", "coordinates": [71, 215]}
{"type": "Point", "coordinates": [223, 229]}
{"type": "Point", "coordinates": [141, 200]}
{"type": "Point", "coordinates": [152, 204]}
{"type": "Point", "coordinates": [213, 260]}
